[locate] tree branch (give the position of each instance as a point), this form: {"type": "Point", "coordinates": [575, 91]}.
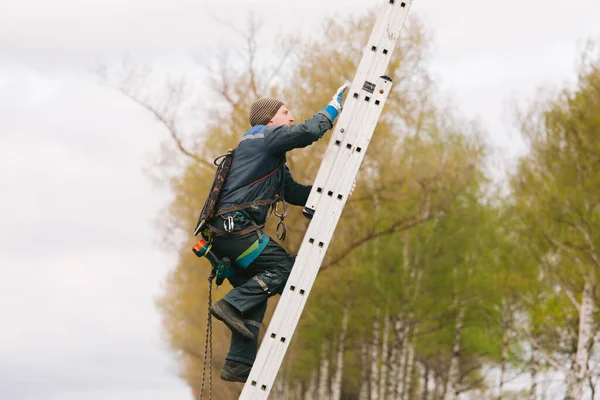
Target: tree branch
{"type": "Point", "coordinates": [589, 241]}
{"type": "Point", "coordinates": [397, 226]}
{"type": "Point", "coordinates": [571, 297]}
{"type": "Point", "coordinates": [547, 356]}
{"type": "Point", "coordinates": [170, 125]}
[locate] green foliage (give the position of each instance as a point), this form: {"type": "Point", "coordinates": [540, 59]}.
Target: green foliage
{"type": "Point", "coordinates": [555, 209]}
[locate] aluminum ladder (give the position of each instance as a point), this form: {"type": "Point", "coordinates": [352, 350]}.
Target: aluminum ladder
{"type": "Point", "coordinates": [364, 103]}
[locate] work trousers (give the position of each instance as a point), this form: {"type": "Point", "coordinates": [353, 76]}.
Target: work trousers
{"type": "Point", "coordinates": [252, 287]}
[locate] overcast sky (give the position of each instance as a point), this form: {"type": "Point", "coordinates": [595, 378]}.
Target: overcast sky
{"type": "Point", "coordinates": [79, 259]}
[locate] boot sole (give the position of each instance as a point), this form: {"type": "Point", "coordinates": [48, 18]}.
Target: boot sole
{"type": "Point", "coordinates": [226, 376]}
{"type": "Point", "coordinates": [216, 312]}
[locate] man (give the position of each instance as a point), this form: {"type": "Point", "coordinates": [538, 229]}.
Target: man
{"type": "Point", "coordinates": [259, 178]}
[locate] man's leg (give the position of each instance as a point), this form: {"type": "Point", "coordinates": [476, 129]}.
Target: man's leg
{"type": "Point", "coordinates": [250, 294]}
{"type": "Point", "coordinates": [242, 351]}
{"type": "Point", "coordinates": [267, 276]}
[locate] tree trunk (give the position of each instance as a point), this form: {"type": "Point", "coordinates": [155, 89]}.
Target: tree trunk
{"type": "Point", "coordinates": [534, 376]}
{"type": "Point", "coordinates": [336, 386]}
{"type": "Point", "coordinates": [402, 366]}
{"type": "Point", "coordinates": [375, 359]}
{"type": "Point", "coordinates": [324, 374]}
{"type": "Point", "coordinates": [410, 363]}
{"type": "Point", "coordinates": [395, 358]}
{"type": "Point", "coordinates": [454, 372]}
{"type": "Point", "coordinates": [312, 387]}
{"type": "Point", "coordinates": [425, 395]}
{"type": "Point", "coordinates": [383, 378]}
{"type": "Point", "coordinates": [279, 388]}
{"type": "Point", "coordinates": [503, 361]}
{"type": "Point", "coordinates": [579, 372]}
{"type": "Point", "coordinates": [364, 385]}
{"type": "Point", "coordinates": [440, 387]}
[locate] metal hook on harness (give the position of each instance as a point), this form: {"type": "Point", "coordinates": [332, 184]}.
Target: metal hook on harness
{"type": "Point", "coordinates": [281, 228]}
{"type": "Point", "coordinates": [284, 213]}
{"type": "Point", "coordinates": [229, 224]}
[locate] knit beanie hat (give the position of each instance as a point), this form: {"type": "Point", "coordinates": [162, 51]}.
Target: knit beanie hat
{"type": "Point", "coordinates": [263, 109]}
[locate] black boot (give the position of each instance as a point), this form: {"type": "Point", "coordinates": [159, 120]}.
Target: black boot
{"type": "Point", "coordinates": [234, 371]}
{"type": "Point", "coordinates": [231, 317]}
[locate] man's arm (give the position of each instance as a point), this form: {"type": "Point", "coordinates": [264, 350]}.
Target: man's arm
{"type": "Point", "coordinates": [280, 139]}
{"type": "Point", "coordinates": [293, 192]}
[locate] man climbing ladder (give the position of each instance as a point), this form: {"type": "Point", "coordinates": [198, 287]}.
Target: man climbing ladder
{"type": "Point", "coordinates": [257, 180]}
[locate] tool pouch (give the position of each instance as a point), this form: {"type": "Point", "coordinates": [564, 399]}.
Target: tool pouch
{"type": "Point", "coordinates": [221, 268]}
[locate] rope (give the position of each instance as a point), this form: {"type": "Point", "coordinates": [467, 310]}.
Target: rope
{"type": "Point", "coordinates": [208, 343]}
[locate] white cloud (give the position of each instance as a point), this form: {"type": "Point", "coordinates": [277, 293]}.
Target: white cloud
{"type": "Point", "coordinates": [78, 249]}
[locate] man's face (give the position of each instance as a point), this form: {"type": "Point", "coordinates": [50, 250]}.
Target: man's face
{"type": "Point", "coordinates": [283, 117]}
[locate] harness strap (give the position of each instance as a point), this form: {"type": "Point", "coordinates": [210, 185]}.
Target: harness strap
{"type": "Point", "coordinates": [220, 232]}
{"type": "Point", "coordinates": [281, 228]}
{"type": "Point", "coordinates": [252, 252]}
{"type": "Point", "coordinates": [245, 205]}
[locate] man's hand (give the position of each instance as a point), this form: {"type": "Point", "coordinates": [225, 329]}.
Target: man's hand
{"type": "Point", "coordinates": [336, 100]}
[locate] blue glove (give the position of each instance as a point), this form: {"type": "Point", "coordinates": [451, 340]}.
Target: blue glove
{"type": "Point", "coordinates": [335, 105]}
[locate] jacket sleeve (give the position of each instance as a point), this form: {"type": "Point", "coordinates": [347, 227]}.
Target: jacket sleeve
{"type": "Point", "coordinates": [293, 192]}
{"type": "Point", "coordinates": [280, 139]}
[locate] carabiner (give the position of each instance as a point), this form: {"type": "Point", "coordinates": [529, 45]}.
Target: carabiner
{"type": "Point", "coordinates": [282, 215]}
{"type": "Point", "coordinates": [281, 227]}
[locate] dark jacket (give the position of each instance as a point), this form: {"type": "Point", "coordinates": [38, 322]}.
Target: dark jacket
{"type": "Point", "coordinates": [258, 168]}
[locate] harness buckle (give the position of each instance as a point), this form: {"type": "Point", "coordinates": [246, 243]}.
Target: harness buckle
{"type": "Point", "coordinates": [229, 224]}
